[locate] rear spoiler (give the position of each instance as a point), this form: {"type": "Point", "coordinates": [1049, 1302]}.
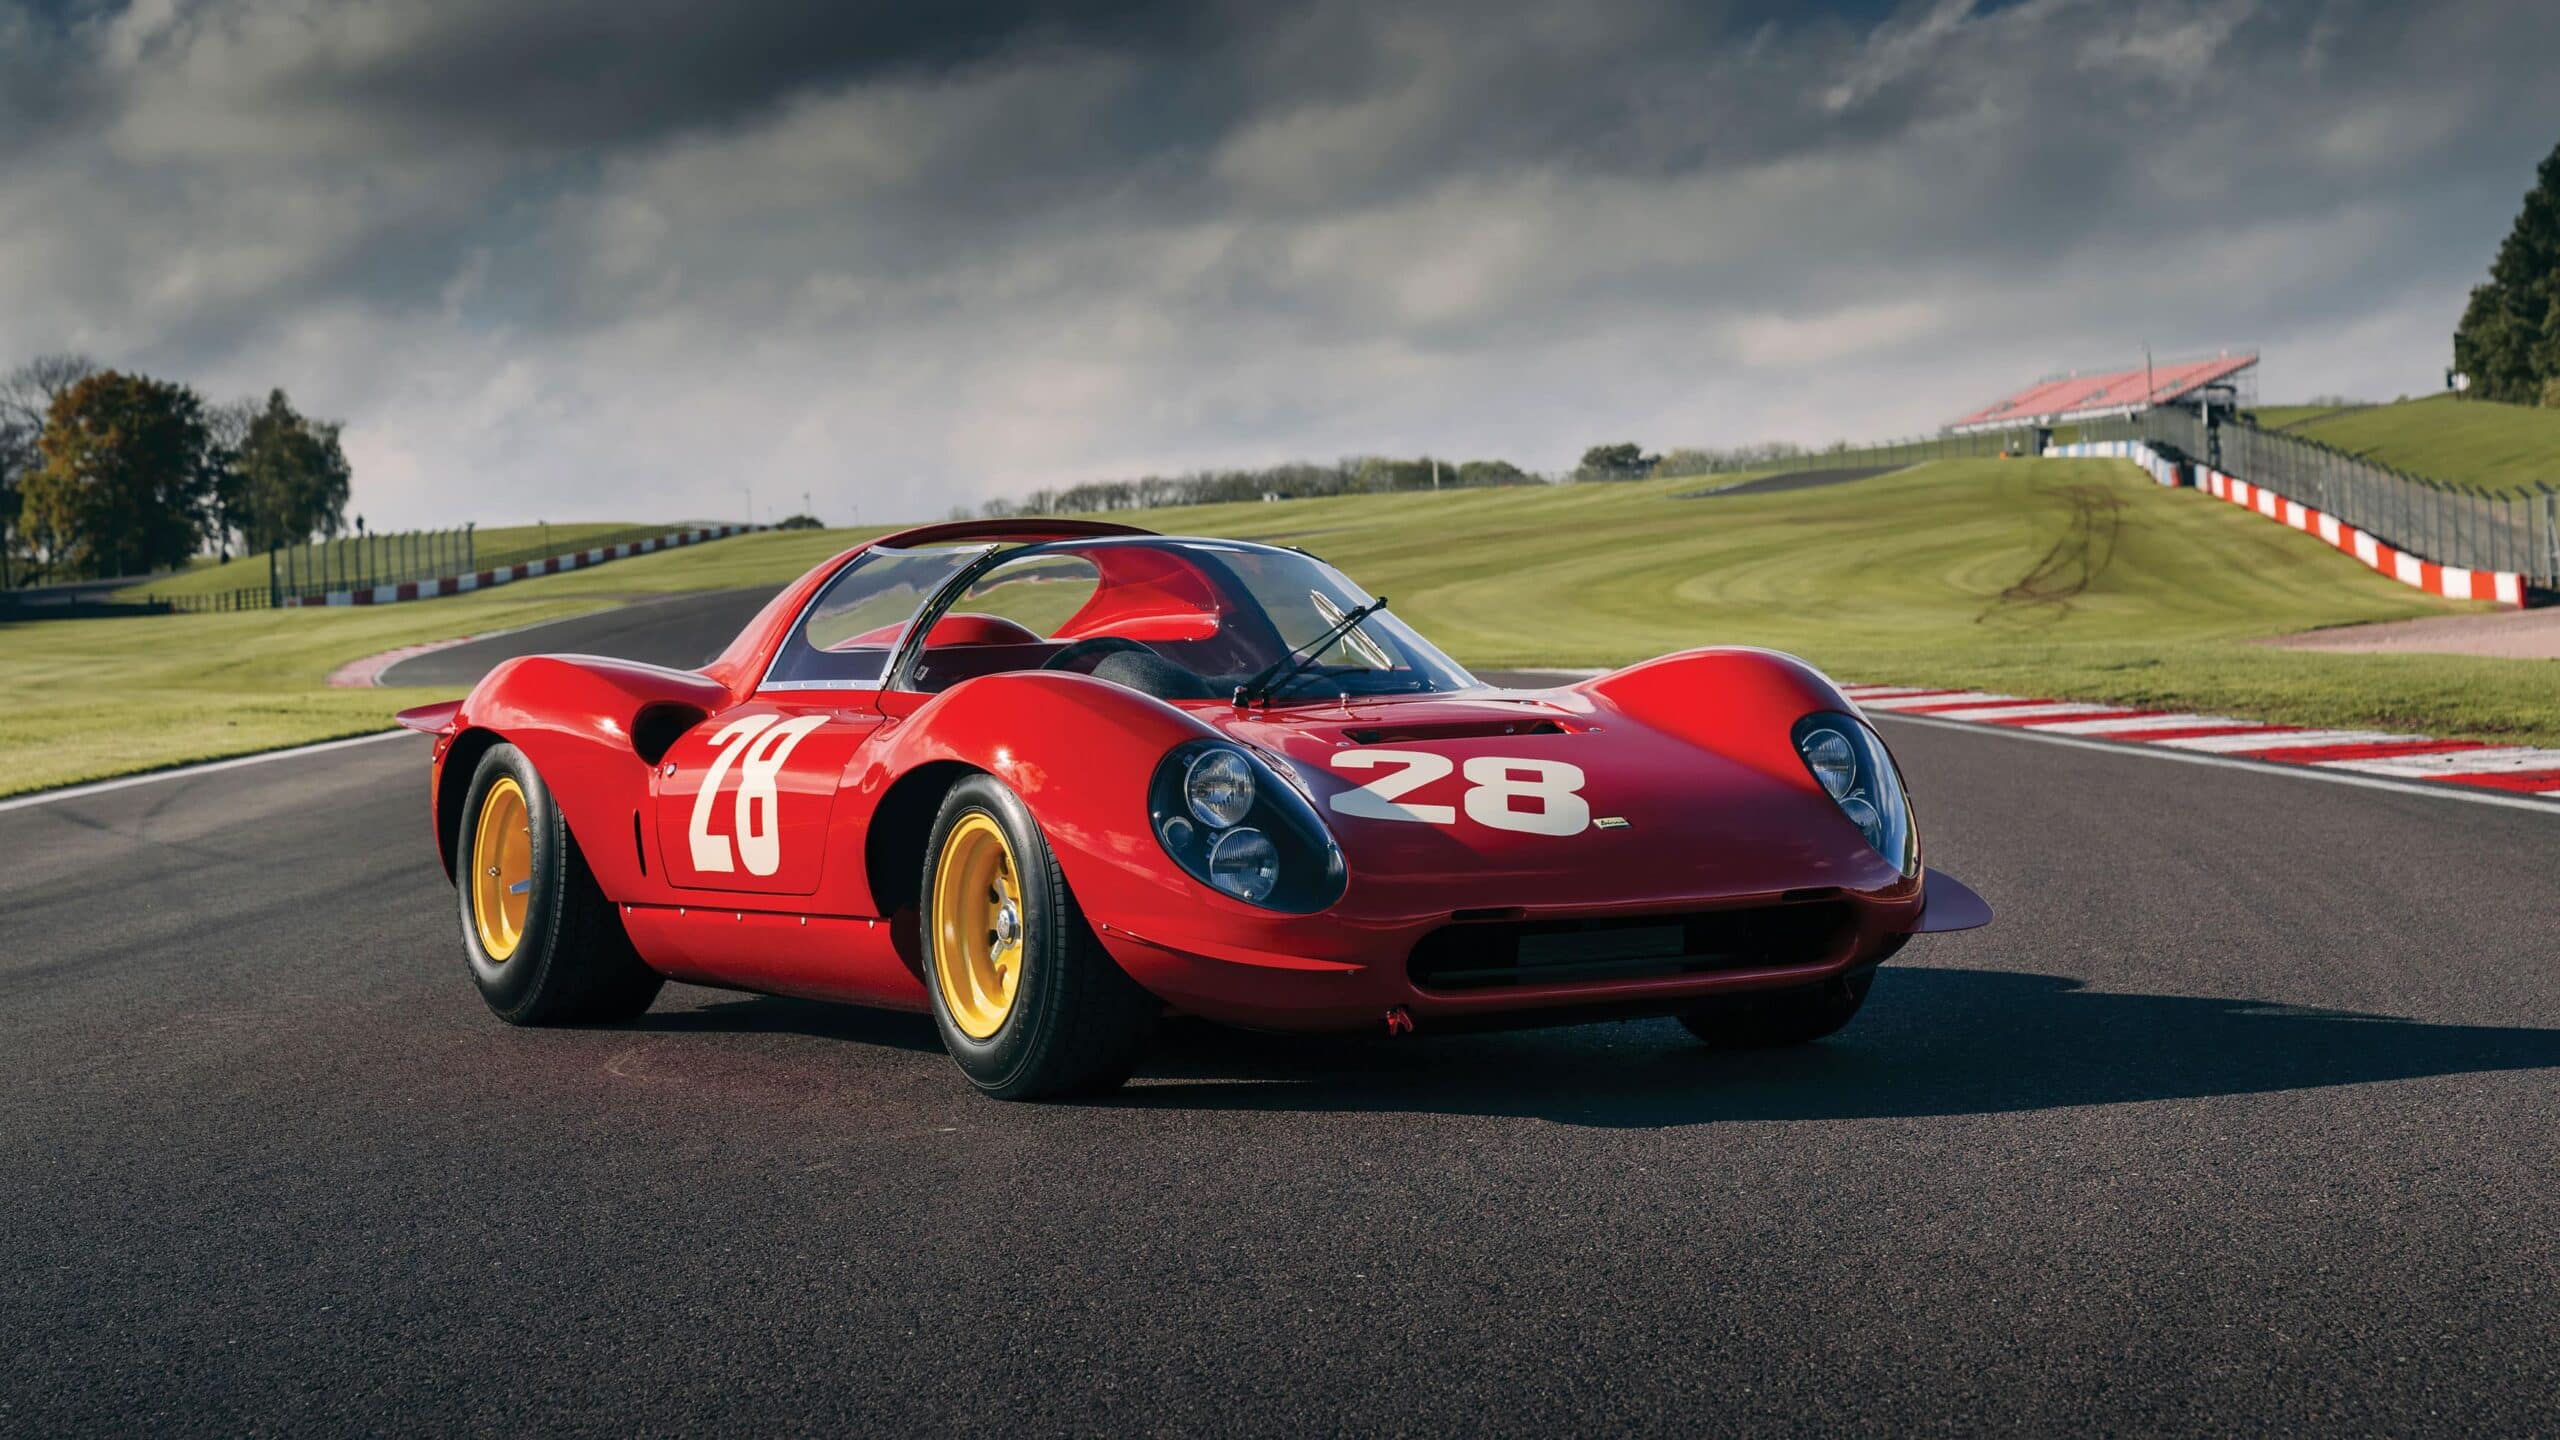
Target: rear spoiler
{"type": "Point", "coordinates": [436, 719]}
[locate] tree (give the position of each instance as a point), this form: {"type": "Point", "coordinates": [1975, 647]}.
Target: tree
{"type": "Point", "coordinates": [289, 478]}
{"type": "Point", "coordinates": [126, 478]}
{"type": "Point", "coordinates": [1616, 462]}
{"type": "Point", "coordinates": [26, 393]}
{"type": "Point", "coordinates": [2509, 338]}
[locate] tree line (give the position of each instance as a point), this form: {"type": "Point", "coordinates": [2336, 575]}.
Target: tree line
{"type": "Point", "coordinates": [1297, 480]}
{"type": "Point", "coordinates": [105, 473]}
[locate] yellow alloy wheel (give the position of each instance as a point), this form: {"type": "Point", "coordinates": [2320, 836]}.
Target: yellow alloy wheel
{"type": "Point", "coordinates": [977, 926]}
{"type": "Point", "coordinates": [502, 868]}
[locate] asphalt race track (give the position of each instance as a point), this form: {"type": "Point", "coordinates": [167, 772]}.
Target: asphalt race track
{"type": "Point", "coordinates": [2239, 1119]}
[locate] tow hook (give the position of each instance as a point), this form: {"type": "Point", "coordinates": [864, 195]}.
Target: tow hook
{"type": "Point", "coordinates": [1399, 1021]}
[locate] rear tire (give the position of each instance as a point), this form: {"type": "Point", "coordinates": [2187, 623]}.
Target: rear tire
{"type": "Point", "coordinates": [1780, 1017]}
{"type": "Point", "coordinates": [1029, 1004]}
{"type": "Point", "coordinates": [545, 945]}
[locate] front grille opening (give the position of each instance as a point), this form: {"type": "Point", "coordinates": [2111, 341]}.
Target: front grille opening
{"type": "Point", "coordinates": [1489, 956]}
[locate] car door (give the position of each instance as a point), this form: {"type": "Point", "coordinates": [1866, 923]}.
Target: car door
{"type": "Point", "coordinates": [744, 799]}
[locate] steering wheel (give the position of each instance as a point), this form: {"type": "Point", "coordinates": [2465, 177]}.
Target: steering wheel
{"type": "Point", "coordinates": [1079, 653]}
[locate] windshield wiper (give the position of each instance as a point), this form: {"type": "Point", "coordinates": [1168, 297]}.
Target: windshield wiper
{"type": "Point", "coordinates": [1276, 675]}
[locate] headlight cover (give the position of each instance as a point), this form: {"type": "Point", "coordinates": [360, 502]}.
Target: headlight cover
{"type": "Point", "coordinates": [1270, 850]}
{"type": "Point", "coordinates": [1853, 768]}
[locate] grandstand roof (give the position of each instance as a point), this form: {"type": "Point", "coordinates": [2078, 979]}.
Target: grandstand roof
{"type": "Point", "coordinates": [2088, 397]}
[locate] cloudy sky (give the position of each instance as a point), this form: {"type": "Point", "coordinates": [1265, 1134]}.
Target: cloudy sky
{"type": "Point", "coordinates": [628, 258]}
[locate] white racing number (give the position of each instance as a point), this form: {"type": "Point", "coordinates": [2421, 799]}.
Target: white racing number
{"type": "Point", "coordinates": [757, 747]}
{"type": "Point", "coordinates": [1534, 797]}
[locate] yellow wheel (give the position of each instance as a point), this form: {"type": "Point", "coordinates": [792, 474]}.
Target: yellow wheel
{"type": "Point", "coordinates": [977, 926]}
{"type": "Point", "coordinates": [545, 944]}
{"type": "Point", "coordinates": [1026, 998]}
{"type": "Point", "coordinates": [502, 869]}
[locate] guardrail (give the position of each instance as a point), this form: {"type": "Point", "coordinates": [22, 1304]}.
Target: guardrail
{"type": "Point", "coordinates": [2517, 532]}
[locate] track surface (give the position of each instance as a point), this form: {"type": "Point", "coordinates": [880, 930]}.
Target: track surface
{"type": "Point", "coordinates": [2239, 1118]}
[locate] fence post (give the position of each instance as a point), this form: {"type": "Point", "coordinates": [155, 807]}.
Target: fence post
{"type": "Point", "coordinates": [471, 545]}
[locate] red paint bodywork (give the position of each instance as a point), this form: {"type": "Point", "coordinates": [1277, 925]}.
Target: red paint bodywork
{"type": "Point", "coordinates": [1693, 751]}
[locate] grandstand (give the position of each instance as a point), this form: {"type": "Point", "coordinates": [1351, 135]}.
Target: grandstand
{"type": "Point", "coordinates": [2081, 396]}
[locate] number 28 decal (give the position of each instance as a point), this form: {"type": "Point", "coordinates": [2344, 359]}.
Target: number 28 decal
{"type": "Point", "coordinates": [756, 746]}
{"type": "Point", "coordinates": [1535, 797]}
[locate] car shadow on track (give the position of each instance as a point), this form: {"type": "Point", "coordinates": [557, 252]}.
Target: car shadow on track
{"type": "Point", "coordinates": [781, 1015]}
{"type": "Point", "coordinates": [1931, 1042]}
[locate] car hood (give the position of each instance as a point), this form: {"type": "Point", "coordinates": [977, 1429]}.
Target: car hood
{"type": "Point", "coordinates": [1671, 821]}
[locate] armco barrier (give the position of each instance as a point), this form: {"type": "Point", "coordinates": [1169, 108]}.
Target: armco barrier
{"type": "Point", "coordinates": [2506, 587]}
{"type": "Point", "coordinates": [2161, 468]}
{"type": "Point", "coordinates": [483, 579]}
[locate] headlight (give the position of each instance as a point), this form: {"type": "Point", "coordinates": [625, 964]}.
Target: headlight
{"type": "Point", "coordinates": [1853, 768]}
{"type": "Point", "coordinates": [1242, 830]}
{"type": "Point", "coordinates": [1219, 787]}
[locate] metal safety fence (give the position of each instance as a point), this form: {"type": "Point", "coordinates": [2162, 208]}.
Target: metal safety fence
{"type": "Point", "coordinates": [2518, 530]}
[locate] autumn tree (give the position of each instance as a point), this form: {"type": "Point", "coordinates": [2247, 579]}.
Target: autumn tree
{"type": "Point", "coordinates": [125, 476]}
{"type": "Point", "coordinates": [26, 394]}
{"type": "Point", "coordinates": [2509, 340]}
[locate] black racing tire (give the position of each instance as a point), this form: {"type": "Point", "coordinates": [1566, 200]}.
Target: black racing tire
{"type": "Point", "coordinates": [1773, 1018]}
{"type": "Point", "coordinates": [571, 962]}
{"type": "Point", "coordinates": [1075, 1023]}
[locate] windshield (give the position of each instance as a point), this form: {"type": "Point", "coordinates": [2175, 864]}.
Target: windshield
{"type": "Point", "coordinates": [1181, 619]}
{"type": "Point", "coordinates": [848, 633]}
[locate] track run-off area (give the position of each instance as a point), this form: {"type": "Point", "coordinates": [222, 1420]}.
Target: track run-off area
{"type": "Point", "coordinates": [2239, 1116]}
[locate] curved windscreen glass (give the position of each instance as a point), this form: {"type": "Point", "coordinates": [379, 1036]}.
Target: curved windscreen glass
{"type": "Point", "coordinates": [848, 633]}
{"type": "Point", "coordinates": [1181, 619]}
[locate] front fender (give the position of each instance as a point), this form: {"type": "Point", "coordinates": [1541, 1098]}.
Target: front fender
{"type": "Point", "coordinates": [1080, 752]}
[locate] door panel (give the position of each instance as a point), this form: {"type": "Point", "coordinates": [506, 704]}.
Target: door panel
{"type": "Point", "coordinates": [745, 797]}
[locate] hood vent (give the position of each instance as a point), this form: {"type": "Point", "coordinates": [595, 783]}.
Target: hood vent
{"type": "Point", "coordinates": [1451, 730]}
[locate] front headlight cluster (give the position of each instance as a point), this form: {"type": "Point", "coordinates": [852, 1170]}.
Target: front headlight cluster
{"type": "Point", "coordinates": [1851, 765]}
{"type": "Point", "coordinates": [1238, 828]}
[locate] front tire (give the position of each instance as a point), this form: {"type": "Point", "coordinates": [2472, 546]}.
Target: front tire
{"type": "Point", "coordinates": [545, 945]}
{"type": "Point", "coordinates": [1780, 1017]}
{"type": "Point", "coordinates": [1029, 1004]}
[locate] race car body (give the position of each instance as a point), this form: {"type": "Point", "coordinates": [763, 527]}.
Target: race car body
{"type": "Point", "coordinates": [1051, 779]}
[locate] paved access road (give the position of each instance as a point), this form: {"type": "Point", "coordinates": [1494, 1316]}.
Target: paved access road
{"type": "Point", "coordinates": [2241, 1118]}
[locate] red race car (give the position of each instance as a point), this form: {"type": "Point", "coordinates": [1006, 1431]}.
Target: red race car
{"type": "Point", "coordinates": [1052, 779]}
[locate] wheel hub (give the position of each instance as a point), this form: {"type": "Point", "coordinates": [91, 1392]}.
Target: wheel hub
{"type": "Point", "coordinates": [977, 926]}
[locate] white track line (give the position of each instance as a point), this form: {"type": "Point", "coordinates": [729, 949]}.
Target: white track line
{"type": "Point", "coordinates": [2504, 799]}
{"type": "Point", "coordinates": [189, 772]}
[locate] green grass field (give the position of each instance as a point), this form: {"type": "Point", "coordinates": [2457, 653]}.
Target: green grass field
{"type": "Point", "coordinates": [494, 544]}
{"type": "Point", "coordinates": [2065, 577]}
{"type": "Point", "coordinates": [2496, 448]}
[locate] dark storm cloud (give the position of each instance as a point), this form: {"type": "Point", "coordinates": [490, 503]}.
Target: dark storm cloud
{"type": "Point", "coordinates": [917, 252]}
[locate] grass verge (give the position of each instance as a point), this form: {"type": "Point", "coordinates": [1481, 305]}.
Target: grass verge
{"type": "Point", "coordinates": [2480, 444]}
{"type": "Point", "coordinates": [2074, 578]}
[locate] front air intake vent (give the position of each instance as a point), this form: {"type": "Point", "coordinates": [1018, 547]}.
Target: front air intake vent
{"type": "Point", "coordinates": [1481, 955]}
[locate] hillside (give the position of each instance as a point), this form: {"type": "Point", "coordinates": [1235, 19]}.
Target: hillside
{"type": "Point", "coordinates": [2478, 443]}
{"type": "Point", "coordinates": [2064, 577]}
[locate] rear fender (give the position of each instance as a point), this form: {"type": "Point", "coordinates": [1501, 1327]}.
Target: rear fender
{"type": "Point", "coordinates": [593, 727]}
